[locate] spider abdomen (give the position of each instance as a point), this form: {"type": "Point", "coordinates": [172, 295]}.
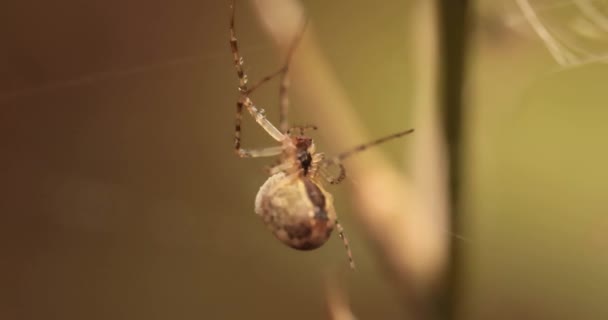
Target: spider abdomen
{"type": "Point", "coordinates": [297, 211]}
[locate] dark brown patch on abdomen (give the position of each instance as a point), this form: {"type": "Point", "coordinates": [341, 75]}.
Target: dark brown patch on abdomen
{"type": "Point", "coordinates": [300, 231]}
{"type": "Point", "coordinates": [317, 198]}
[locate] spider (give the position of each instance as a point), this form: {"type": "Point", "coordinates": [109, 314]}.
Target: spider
{"type": "Point", "coordinates": [292, 202]}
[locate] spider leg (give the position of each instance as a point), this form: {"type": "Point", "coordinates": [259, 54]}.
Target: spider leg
{"type": "Point", "coordinates": [237, 59]}
{"type": "Point", "coordinates": [265, 79]}
{"type": "Point", "coordinates": [335, 180]}
{"type": "Point", "coordinates": [283, 102]}
{"type": "Point", "coordinates": [340, 157]}
{"type": "Point", "coordinates": [260, 118]}
{"type": "Point", "coordinates": [337, 160]}
{"type": "Point", "coordinates": [349, 253]}
{"type": "Point", "coordinates": [245, 91]}
{"type": "Point", "coordinates": [301, 128]}
{"type": "Point", "coordinates": [244, 101]}
{"type": "Point", "coordinates": [319, 166]}
{"type": "Point", "coordinates": [284, 86]}
{"type": "Point", "coordinates": [262, 152]}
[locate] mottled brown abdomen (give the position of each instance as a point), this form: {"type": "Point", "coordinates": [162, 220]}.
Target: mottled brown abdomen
{"type": "Point", "coordinates": [297, 210]}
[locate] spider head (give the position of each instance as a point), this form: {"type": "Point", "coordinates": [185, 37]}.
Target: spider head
{"type": "Point", "coordinates": [305, 148]}
{"type": "Point", "coordinates": [303, 143]}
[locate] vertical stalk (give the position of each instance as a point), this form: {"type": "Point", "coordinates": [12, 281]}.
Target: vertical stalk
{"type": "Point", "coordinates": [453, 35]}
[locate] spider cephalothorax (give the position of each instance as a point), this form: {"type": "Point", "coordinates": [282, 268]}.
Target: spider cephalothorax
{"type": "Point", "coordinates": [292, 202]}
{"type": "Point", "coordinates": [305, 149]}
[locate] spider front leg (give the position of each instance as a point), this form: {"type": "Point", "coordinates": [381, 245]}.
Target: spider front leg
{"type": "Point", "coordinates": [282, 72]}
{"type": "Point", "coordinates": [234, 47]}
{"type": "Point", "coordinates": [283, 102]}
{"type": "Point", "coordinates": [256, 153]}
{"type": "Point", "coordinates": [301, 129]}
{"type": "Point", "coordinates": [245, 101]}
{"type": "Point", "coordinates": [337, 160]}
{"type": "Point", "coordinates": [262, 121]}
{"type": "Point", "coordinates": [284, 86]}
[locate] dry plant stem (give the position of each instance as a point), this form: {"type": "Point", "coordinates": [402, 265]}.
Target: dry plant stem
{"type": "Point", "coordinates": [429, 156]}
{"type": "Point", "coordinates": [401, 227]}
{"type": "Point", "coordinates": [453, 34]}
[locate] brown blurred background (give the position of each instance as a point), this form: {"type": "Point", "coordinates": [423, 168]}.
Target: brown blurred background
{"type": "Point", "coordinates": [122, 198]}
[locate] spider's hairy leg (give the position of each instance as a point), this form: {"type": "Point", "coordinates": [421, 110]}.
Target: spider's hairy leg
{"type": "Point", "coordinates": [262, 152]}
{"type": "Point", "coordinates": [301, 128]}
{"type": "Point", "coordinates": [319, 166]}
{"type": "Point", "coordinates": [337, 160]}
{"type": "Point", "coordinates": [260, 118]}
{"type": "Point", "coordinates": [349, 253]}
{"type": "Point", "coordinates": [335, 179]}
{"type": "Point", "coordinates": [264, 80]}
{"type": "Point", "coordinates": [238, 64]}
{"type": "Point", "coordinates": [244, 101]}
{"type": "Point", "coordinates": [284, 86]}
{"type": "Point", "coordinates": [234, 47]}
{"type": "Point", "coordinates": [283, 102]}
{"type": "Point", "coordinates": [342, 156]}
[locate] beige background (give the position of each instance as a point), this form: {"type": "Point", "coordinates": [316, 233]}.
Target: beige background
{"type": "Point", "coordinates": [122, 199]}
